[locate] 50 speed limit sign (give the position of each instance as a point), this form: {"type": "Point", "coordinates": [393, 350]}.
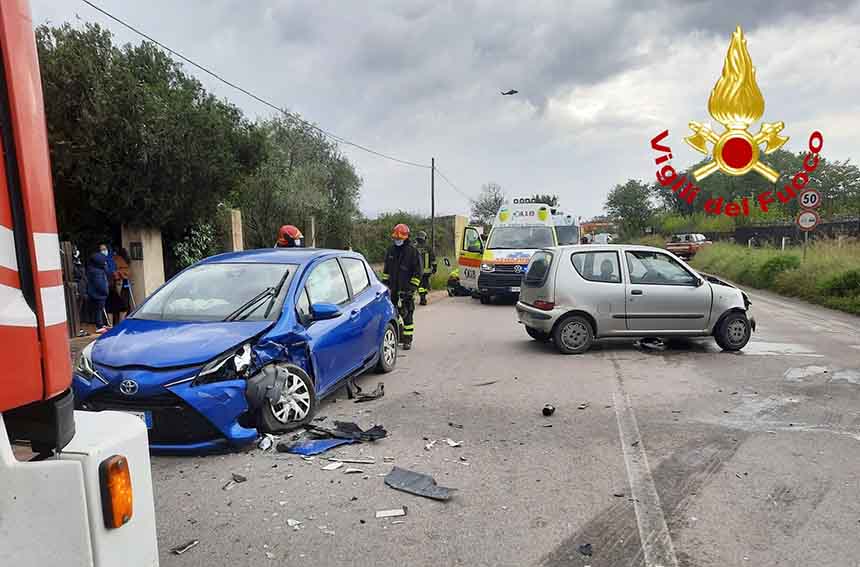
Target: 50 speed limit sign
{"type": "Point", "coordinates": [807, 220]}
{"type": "Point", "coordinates": [809, 199]}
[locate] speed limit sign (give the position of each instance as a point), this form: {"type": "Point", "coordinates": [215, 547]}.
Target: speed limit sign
{"type": "Point", "coordinates": [809, 199]}
{"type": "Point", "coordinates": [807, 220]}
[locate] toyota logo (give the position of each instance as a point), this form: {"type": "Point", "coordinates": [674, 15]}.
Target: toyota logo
{"type": "Point", "coordinates": [128, 387]}
{"type": "Point", "coordinates": [518, 269]}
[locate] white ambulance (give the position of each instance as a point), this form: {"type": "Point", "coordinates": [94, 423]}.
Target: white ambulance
{"type": "Point", "coordinates": [521, 227]}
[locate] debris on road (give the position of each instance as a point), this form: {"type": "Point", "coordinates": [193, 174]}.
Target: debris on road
{"type": "Point", "coordinates": [332, 466]}
{"type": "Point", "coordinates": [376, 394]}
{"type": "Point", "coordinates": [270, 555]}
{"type": "Point", "coordinates": [347, 430]}
{"type": "Point", "coordinates": [618, 494]}
{"type": "Point", "coordinates": [417, 483]}
{"type": "Point", "coordinates": [548, 410]}
{"type": "Point", "coordinates": [393, 513]}
{"type": "Point", "coordinates": [368, 461]}
{"type": "Point", "coordinates": [308, 447]}
{"type": "Point", "coordinates": [229, 486]}
{"type": "Point", "coordinates": [635, 443]}
{"type": "Point", "coordinates": [180, 549]}
{"type": "Point", "coordinates": [388, 459]}
{"type": "Point", "coordinates": [651, 343]}
{"type": "Point", "coordinates": [239, 478]}
{"type": "Point", "coordinates": [353, 471]}
{"type": "Point", "coordinates": [455, 425]}
{"type": "Point", "coordinates": [295, 524]}
{"type": "Point", "coordinates": [429, 445]}
{"type": "Point", "coordinates": [490, 383]}
{"type": "Point", "coordinates": [547, 425]}
{"type": "Point", "coordinates": [266, 442]}
{"type": "Point", "coordinates": [452, 443]}
{"type": "Point", "coordinates": [583, 405]}
{"type": "Point", "coordinates": [585, 549]}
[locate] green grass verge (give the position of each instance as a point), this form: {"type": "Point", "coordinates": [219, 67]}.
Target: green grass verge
{"type": "Point", "coordinates": [830, 274]}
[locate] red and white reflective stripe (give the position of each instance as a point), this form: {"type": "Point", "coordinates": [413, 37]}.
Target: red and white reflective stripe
{"type": "Point", "coordinates": [7, 250]}
{"type": "Point", "coordinates": [14, 311]}
{"type": "Point", "coordinates": [47, 251]}
{"type": "Point", "coordinates": [53, 305]}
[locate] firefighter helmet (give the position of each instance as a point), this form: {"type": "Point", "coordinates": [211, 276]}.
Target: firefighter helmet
{"type": "Point", "coordinates": [400, 232]}
{"type": "Point", "coordinates": [289, 235]}
{"type": "Point", "coordinates": [421, 237]}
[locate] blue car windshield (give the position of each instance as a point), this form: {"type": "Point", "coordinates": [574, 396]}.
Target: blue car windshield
{"type": "Point", "coordinates": [219, 292]}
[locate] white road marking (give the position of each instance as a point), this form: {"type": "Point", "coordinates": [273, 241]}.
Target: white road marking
{"type": "Point", "coordinates": [654, 535]}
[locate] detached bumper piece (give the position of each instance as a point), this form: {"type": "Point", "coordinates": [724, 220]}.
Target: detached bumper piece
{"type": "Point", "coordinates": [174, 422]}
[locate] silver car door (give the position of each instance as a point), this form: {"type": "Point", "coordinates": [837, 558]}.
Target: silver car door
{"type": "Point", "coordinates": [662, 295]}
{"type": "Point", "coordinates": [598, 288]}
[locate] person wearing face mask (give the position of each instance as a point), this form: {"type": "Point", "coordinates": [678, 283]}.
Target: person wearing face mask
{"type": "Point", "coordinates": [98, 276]}
{"type": "Point", "coordinates": [402, 275]}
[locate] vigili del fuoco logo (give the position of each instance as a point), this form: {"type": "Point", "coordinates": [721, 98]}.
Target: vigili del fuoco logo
{"type": "Point", "coordinates": [735, 102]}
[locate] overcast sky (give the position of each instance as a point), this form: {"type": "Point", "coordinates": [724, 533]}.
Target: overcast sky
{"type": "Point", "coordinates": [421, 78]}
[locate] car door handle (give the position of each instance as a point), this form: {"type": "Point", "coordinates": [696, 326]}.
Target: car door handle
{"type": "Point", "coordinates": [354, 313]}
{"type": "Point", "coordinates": [636, 292]}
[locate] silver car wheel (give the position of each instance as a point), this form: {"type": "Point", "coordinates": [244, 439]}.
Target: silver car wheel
{"type": "Point", "coordinates": [736, 332]}
{"type": "Point", "coordinates": [574, 335]}
{"type": "Point", "coordinates": [389, 346]}
{"type": "Point", "coordinates": [295, 400]}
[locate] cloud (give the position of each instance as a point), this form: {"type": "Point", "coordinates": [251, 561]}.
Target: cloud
{"type": "Point", "coordinates": [597, 81]}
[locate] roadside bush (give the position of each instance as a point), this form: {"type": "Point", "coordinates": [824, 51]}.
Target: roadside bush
{"type": "Point", "coordinates": [774, 266]}
{"type": "Point", "coordinates": [845, 284]}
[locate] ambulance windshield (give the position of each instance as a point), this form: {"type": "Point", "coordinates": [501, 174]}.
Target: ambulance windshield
{"type": "Point", "coordinates": [510, 237]}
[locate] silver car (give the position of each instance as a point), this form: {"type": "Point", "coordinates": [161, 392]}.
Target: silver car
{"type": "Point", "coordinates": [575, 294]}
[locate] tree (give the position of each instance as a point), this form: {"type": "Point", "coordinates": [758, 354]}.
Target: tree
{"type": "Point", "coordinates": [488, 203]}
{"type": "Point", "coordinates": [630, 206]}
{"type": "Point", "coordinates": [551, 200]}
{"type": "Point", "coordinates": [135, 140]}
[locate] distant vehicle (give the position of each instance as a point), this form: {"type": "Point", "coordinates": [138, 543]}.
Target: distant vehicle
{"type": "Point", "coordinates": [240, 343]}
{"type": "Point", "coordinates": [573, 295]}
{"type": "Point", "coordinates": [496, 267]}
{"type": "Point", "coordinates": [602, 238]}
{"type": "Point", "coordinates": [686, 245]}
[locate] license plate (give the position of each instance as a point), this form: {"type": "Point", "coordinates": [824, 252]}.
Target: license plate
{"type": "Point", "coordinates": [515, 289]}
{"type": "Point", "coordinates": [144, 416]}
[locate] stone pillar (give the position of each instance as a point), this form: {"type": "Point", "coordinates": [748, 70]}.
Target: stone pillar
{"type": "Point", "coordinates": [237, 243]}
{"type": "Point", "coordinates": [460, 224]}
{"type": "Point", "coordinates": [147, 260]}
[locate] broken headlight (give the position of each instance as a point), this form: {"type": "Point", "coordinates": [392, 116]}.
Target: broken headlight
{"type": "Point", "coordinates": [229, 366]}
{"type": "Point", "coordinates": [84, 366]}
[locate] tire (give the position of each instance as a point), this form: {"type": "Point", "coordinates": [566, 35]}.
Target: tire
{"type": "Point", "coordinates": [573, 335]}
{"type": "Point", "coordinates": [538, 335]}
{"type": "Point", "coordinates": [387, 350]}
{"type": "Point", "coordinates": [274, 418]}
{"type": "Point", "coordinates": [733, 332]}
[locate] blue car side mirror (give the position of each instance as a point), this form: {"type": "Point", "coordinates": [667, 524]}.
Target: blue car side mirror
{"type": "Point", "coordinates": [323, 311]}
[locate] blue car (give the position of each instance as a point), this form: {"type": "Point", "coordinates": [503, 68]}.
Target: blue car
{"type": "Point", "coordinates": [241, 343]}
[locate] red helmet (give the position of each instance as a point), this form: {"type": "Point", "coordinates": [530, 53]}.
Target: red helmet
{"type": "Point", "coordinates": [400, 232]}
{"type": "Point", "coordinates": [289, 235]}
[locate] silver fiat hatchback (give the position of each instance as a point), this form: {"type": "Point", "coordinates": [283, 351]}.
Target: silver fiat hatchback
{"type": "Point", "coordinates": [573, 295]}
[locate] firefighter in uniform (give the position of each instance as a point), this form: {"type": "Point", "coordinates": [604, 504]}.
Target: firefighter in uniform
{"type": "Point", "coordinates": [402, 275]}
{"type": "Point", "coordinates": [289, 237]}
{"type": "Point", "coordinates": [428, 265]}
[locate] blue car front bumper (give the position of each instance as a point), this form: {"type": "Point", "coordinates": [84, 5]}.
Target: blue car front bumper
{"type": "Point", "coordinates": [182, 418]}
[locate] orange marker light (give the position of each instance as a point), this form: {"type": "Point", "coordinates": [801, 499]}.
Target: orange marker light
{"type": "Point", "coordinates": [115, 481]}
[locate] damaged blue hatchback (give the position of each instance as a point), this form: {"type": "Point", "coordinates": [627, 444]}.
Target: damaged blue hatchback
{"type": "Point", "coordinates": [241, 343]}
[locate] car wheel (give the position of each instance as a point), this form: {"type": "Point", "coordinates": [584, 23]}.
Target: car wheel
{"type": "Point", "coordinates": [387, 350]}
{"type": "Point", "coordinates": [733, 332]}
{"type": "Point", "coordinates": [573, 335]}
{"type": "Point", "coordinates": [541, 336]}
{"type": "Point", "coordinates": [296, 406]}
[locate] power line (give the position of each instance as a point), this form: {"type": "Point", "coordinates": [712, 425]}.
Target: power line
{"type": "Point", "coordinates": [245, 91]}
{"type": "Point", "coordinates": [454, 187]}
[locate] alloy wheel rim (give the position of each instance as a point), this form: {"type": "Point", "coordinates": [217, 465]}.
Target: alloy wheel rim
{"type": "Point", "coordinates": [389, 347]}
{"type": "Point", "coordinates": [737, 330]}
{"type": "Point", "coordinates": [574, 334]}
{"type": "Point", "coordinates": [295, 401]}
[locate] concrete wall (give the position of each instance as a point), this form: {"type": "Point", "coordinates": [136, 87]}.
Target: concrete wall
{"type": "Point", "coordinates": [147, 259]}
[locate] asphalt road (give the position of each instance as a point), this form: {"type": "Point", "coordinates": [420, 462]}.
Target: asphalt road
{"type": "Point", "coordinates": [688, 457]}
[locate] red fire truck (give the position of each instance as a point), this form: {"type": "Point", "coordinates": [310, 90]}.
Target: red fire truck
{"type": "Point", "coordinates": [75, 487]}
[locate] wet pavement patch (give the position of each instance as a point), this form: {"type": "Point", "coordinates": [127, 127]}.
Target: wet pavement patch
{"type": "Point", "coordinates": [849, 375]}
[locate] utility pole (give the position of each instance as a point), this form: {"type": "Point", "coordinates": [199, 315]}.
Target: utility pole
{"type": "Point", "coordinates": [432, 203]}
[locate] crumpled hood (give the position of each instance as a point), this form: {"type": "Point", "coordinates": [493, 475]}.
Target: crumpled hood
{"type": "Point", "coordinates": [716, 280]}
{"type": "Point", "coordinates": [163, 344]}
